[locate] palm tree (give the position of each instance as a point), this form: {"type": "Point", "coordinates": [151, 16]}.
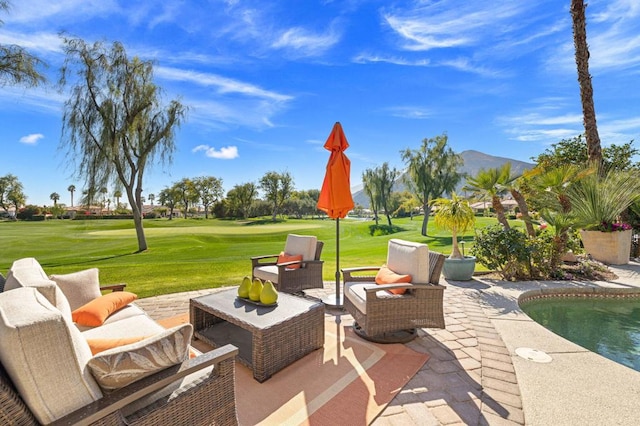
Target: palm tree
{"type": "Point", "coordinates": [584, 78]}
{"type": "Point", "coordinates": [55, 197]}
{"type": "Point", "coordinates": [152, 198]}
{"type": "Point", "coordinates": [71, 189]}
{"type": "Point", "coordinates": [117, 194]}
{"type": "Point", "coordinates": [492, 184]}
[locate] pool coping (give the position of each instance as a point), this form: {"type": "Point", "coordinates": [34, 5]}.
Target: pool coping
{"type": "Point", "coordinates": [578, 386]}
{"type": "Point", "coordinates": [584, 292]}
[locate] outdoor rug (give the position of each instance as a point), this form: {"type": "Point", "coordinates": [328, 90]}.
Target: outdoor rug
{"type": "Point", "coordinates": [349, 381]}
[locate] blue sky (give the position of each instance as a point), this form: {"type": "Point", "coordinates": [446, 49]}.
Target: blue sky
{"type": "Point", "coordinates": [266, 80]}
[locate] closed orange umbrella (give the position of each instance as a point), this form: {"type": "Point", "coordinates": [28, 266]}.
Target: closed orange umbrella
{"type": "Point", "coordinates": [335, 196]}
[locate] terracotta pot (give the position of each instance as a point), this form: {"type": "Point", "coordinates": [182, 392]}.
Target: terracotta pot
{"type": "Point", "coordinates": [612, 248]}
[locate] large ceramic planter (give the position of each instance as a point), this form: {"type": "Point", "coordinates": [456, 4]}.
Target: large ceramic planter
{"type": "Point", "coordinates": [612, 248]}
{"type": "Point", "coordinates": [459, 269]}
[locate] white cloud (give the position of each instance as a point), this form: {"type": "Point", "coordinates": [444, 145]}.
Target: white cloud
{"type": "Point", "coordinates": [452, 23]}
{"type": "Point", "coordinates": [223, 84]}
{"type": "Point", "coordinates": [415, 113]}
{"type": "Point", "coordinates": [31, 139]}
{"type": "Point", "coordinates": [302, 42]}
{"type": "Point", "coordinates": [225, 153]}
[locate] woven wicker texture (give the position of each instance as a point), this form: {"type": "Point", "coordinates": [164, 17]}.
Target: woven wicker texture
{"type": "Point", "coordinates": [268, 338]}
{"type": "Point", "coordinates": [309, 275]}
{"type": "Point", "coordinates": [421, 305]}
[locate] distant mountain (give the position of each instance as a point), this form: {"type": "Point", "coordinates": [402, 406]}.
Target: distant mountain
{"type": "Point", "coordinates": [474, 161]}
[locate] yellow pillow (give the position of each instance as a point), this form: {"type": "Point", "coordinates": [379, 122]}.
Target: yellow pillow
{"type": "Point", "coordinates": [284, 257]}
{"type": "Point", "coordinates": [98, 310]}
{"type": "Point", "coordinates": [99, 345]}
{"type": "Point", "coordinates": [387, 276]}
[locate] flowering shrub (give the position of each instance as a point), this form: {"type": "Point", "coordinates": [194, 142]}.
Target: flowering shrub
{"type": "Point", "coordinates": [613, 227]}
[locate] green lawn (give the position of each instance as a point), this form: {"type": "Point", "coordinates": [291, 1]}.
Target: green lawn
{"type": "Point", "coordinates": [195, 253]}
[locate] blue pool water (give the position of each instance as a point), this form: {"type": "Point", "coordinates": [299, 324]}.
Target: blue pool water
{"type": "Point", "coordinates": [607, 326]}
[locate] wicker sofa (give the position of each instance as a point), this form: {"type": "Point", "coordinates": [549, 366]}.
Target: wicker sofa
{"type": "Point", "coordinates": [50, 375]}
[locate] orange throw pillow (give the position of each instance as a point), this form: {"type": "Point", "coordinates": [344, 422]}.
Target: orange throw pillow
{"type": "Point", "coordinates": [284, 257]}
{"type": "Point", "coordinates": [95, 313]}
{"type": "Point", "coordinates": [99, 345]}
{"type": "Point", "coordinates": [387, 276]}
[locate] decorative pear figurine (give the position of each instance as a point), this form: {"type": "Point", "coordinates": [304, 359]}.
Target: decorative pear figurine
{"type": "Point", "coordinates": [269, 294]}
{"type": "Point", "coordinates": [243, 290]}
{"type": "Point", "coordinates": [255, 290]}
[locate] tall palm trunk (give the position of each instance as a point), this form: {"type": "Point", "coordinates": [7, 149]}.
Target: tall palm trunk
{"type": "Point", "coordinates": [524, 210]}
{"type": "Point", "coordinates": [584, 79]}
{"type": "Point", "coordinates": [499, 209]}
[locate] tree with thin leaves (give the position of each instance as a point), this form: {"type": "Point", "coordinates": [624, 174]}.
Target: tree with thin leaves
{"type": "Point", "coordinates": [241, 196]}
{"type": "Point", "coordinates": [432, 171]}
{"type": "Point", "coordinates": [371, 189]}
{"type": "Point", "coordinates": [114, 123]}
{"type": "Point", "coordinates": [277, 188]}
{"type": "Point", "coordinates": [11, 192]}
{"type": "Point", "coordinates": [209, 189]}
{"type": "Point", "coordinates": [579, 19]}
{"type": "Point", "coordinates": [384, 178]}
{"type": "Point", "coordinates": [17, 66]}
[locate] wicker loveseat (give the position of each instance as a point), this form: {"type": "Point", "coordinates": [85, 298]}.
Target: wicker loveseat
{"type": "Point", "coordinates": [49, 375]}
{"type": "Point", "coordinates": [380, 313]}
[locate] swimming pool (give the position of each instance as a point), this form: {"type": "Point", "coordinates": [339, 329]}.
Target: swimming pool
{"type": "Point", "coordinates": [607, 325]}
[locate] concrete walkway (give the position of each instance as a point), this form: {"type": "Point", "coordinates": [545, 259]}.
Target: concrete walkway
{"type": "Point", "coordinates": [474, 376]}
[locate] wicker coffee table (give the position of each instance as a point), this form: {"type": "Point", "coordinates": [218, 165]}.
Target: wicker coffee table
{"type": "Point", "coordinates": [268, 338]}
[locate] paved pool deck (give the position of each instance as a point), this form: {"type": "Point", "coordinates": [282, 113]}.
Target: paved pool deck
{"type": "Point", "coordinates": [474, 375]}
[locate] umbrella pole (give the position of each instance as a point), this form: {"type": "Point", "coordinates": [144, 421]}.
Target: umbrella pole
{"type": "Point", "coordinates": [337, 300]}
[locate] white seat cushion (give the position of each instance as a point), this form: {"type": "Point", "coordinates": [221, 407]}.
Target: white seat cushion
{"type": "Point", "coordinates": [133, 326]}
{"type": "Point", "coordinates": [45, 355]}
{"type": "Point", "coordinates": [406, 257]}
{"type": "Point", "coordinates": [356, 292]}
{"type": "Point", "coordinates": [267, 272]}
{"type": "Point", "coordinates": [301, 244]}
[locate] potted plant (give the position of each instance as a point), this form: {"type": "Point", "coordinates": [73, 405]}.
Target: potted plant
{"type": "Point", "coordinates": [597, 202]}
{"type": "Point", "coordinates": [456, 215]}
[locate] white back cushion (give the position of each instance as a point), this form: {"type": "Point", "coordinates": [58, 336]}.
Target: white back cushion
{"type": "Point", "coordinates": [45, 355]}
{"type": "Point", "coordinates": [407, 257]}
{"type": "Point", "coordinates": [79, 287]}
{"type": "Point", "coordinates": [27, 272]}
{"type": "Point", "coordinates": [301, 244]}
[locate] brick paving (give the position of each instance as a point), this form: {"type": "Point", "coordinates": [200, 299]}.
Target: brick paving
{"type": "Point", "coordinates": [469, 378]}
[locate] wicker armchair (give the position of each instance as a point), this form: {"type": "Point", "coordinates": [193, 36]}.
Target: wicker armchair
{"type": "Point", "coordinates": [384, 317]}
{"type": "Point", "coordinates": [284, 277]}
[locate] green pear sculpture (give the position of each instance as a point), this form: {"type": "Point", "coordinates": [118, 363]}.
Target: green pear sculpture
{"type": "Point", "coordinates": [269, 294]}
{"type": "Point", "coordinates": [255, 290]}
{"type": "Point", "coordinates": [243, 290]}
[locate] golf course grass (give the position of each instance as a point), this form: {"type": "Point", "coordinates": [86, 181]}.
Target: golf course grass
{"type": "Point", "coordinates": [192, 254]}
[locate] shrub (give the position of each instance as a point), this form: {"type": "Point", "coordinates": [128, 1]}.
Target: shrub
{"type": "Point", "coordinates": [504, 250]}
{"type": "Point", "coordinates": [28, 212]}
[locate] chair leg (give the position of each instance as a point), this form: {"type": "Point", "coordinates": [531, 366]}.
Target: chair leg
{"type": "Point", "coordinates": [399, 336]}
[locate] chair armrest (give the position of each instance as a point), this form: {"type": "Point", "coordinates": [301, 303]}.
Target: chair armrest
{"type": "Point", "coordinates": [348, 274]}
{"type": "Point", "coordinates": [259, 260]}
{"type": "Point", "coordinates": [118, 399]}
{"type": "Point", "coordinates": [415, 290]}
{"type": "Point", "coordinates": [113, 287]}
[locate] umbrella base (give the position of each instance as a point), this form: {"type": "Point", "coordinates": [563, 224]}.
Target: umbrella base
{"type": "Point", "coordinates": [400, 336]}
{"type": "Point", "coordinates": [333, 301]}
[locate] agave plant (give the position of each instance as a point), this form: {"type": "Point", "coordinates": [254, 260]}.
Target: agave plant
{"type": "Point", "coordinates": [600, 198]}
